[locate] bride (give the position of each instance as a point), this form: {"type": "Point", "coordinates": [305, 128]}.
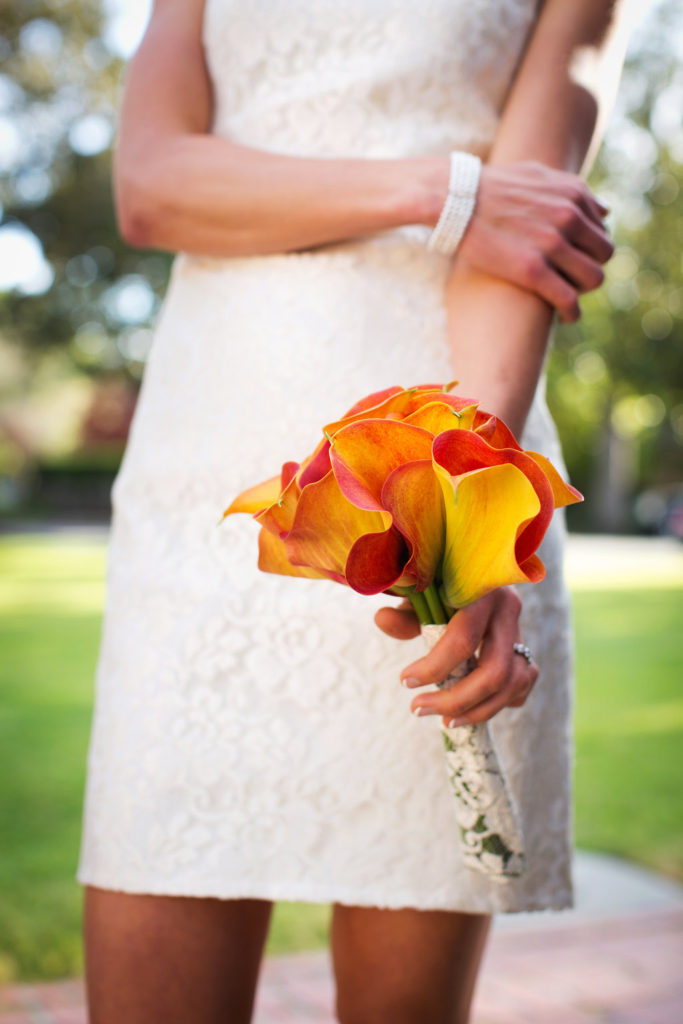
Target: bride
{"type": "Point", "coordinates": [251, 742]}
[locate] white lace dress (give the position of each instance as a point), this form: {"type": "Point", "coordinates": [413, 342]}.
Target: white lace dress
{"type": "Point", "coordinates": [251, 738]}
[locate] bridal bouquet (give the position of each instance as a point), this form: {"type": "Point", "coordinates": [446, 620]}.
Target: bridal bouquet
{"type": "Point", "coordinates": [419, 493]}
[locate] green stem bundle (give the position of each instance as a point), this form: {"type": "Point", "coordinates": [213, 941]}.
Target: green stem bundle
{"type": "Point", "coordinates": [420, 607]}
{"type": "Point", "coordinates": [427, 604]}
{"type": "Point", "coordinates": [436, 609]}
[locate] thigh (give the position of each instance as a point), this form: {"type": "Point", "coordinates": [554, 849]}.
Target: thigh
{"type": "Point", "coordinates": [406, 966]}
{"type": "Point", "coordinates": [175, 959]}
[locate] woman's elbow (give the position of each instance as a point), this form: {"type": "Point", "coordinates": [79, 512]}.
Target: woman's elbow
{"type": "Point", "coordinates": [138, 209]}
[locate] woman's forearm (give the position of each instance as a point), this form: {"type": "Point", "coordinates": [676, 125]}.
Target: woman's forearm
{"type": "Point", "coordinates": [499, 335]}
{"type": "Point", "coordinates": [177, 187]}
{"type": "Point", "coordinates": [201, 193]}
{"type": "Point", "coordinates": [555, 114]}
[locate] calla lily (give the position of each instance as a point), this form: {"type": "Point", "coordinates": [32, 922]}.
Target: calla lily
{"type": "Point", "coordinates": [256, 498]}
{"type": "Point", "coordinates": [273, 558]}
{"type": "Point", "coordinates": [412, 489]}
{"type": "Point", "coordinates": [461, 453]}
{"type": "Point", "coordinates": [364, 453]}
{"type": "Point", "coordinates": [391, 402]}
{"type": "Point", "coordinates": [436, 417]}
{"type": "Point", "coordinates": [485, 512]}
{"type": "Point", "coordinates": [412, 493]}
{"type": "Point", "coordinates": [327, 525]}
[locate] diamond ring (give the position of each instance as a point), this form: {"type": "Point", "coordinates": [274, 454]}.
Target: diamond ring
{"type": "Point", "coordinates": [524, 651]}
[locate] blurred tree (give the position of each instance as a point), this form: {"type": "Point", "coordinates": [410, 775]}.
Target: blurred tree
{"type": "Point", "coordinates": [58, 101]}
{"type": "Point", "coordinates": [615, 381]}
{"type": "Point", "coordinates": [616, 378]}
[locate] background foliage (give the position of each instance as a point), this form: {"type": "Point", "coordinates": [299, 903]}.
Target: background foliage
{"type": "Point", "coordinates": [74, 334]}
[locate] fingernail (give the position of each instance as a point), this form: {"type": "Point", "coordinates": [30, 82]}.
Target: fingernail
{"type": "Point", "coordinates": [410, 681]}
{"type": "Point", "coordinates": [424, 709]}
{"type": "Point", "coordinates": [455, 723]}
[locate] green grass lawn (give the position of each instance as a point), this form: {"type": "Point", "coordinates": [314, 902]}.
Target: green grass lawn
{"type": "Point", "coordinates": [628, 727]}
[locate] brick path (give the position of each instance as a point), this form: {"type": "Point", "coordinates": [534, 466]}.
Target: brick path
{"type": "Point", "coordinates": [624, 969]}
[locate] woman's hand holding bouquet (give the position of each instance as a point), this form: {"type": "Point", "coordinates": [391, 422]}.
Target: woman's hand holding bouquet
{"type": "Point", "coordinates": [417, 492]}
{"type": "Point", "coordinates": [501, 678]}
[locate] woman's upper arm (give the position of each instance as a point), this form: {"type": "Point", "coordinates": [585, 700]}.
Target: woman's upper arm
{"type": "Point", "coordinates": [565, 85]}
{"type": "Point", "coordinates": [167, 91]}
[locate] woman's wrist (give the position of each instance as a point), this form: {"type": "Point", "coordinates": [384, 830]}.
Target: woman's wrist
{"type": "Point", "coordinates": [421, 189]}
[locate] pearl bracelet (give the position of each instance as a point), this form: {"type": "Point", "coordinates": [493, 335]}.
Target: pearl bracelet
{"type": "Point", "coordinates": [457, 211]}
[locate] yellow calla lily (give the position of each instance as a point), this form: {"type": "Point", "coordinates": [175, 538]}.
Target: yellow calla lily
{"type": "Point", "coordinates": [563, 494]}
{"type": "Point", "coordinates": [486, 510]}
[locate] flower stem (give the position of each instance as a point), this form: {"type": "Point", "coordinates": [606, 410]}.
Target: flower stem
{"type": "Point", "coordinates": [431, 595]}
{"type": "Point", "coordinates": [420, 607]}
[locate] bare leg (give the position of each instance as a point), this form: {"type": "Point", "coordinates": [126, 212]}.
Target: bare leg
{"type": "Point", "coordinates": [172, 959]}
{"type": "Point", "coordinates": [406, 966]}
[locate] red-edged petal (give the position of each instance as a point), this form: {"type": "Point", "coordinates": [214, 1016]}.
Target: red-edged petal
{"type": "Point", "coordinates": [485, 514]}
{"type": "Point", "coordinates": [534, 569]}
{"type": "Point", "coordinates": [392, 403]}
{"type": "Point", "coordinates": [317, 466]}
{"type": "Point", "coordinates": [438, 416]}
{"type": "Point", "coordinates": [373, 400]}
{"type": "Point", "coordinates": [463, 451]}
{"type": "Point", "coordinates": [273, 558]}
{"type": "Point", "coordinates": [412, 494]}
{"type": "Point", "coordinates": [376, 562]}
{"type": "Point", "coordinates": [289, 470]}
{"type": "Point", "coordinates": [495, 431]}
{"type": "Point", "coordinates": [563, 494]}
{"type": "Point", "coordinates": [365, 453]}
{"type": "Point", "coordinates": [326, 526]}
{"type": "Point", "coordinates": [279, 516]}
{"type": "Point", "coordinates": [392, 406]}
{"type": "Point", "coordinates": [255, 498]}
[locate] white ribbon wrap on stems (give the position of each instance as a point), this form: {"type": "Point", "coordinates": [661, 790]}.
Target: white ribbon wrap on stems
{"type": "Point", "coordinates": [484, 809]}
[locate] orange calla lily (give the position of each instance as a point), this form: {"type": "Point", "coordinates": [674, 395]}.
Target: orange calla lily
{"type": "Point", "coordinates": [327, 525]}
{"type": "Point", "coordinates": [256, 498]}
{"type": "Point", "coordinates": [436, 417]}
{"type": "Point", "coordinates": [412, 494]}
{"type": "Point", "coordinates": [394, 403]}
{"type": "Point", "coordinates": [364, 453]}
{"type": "Point", "coordinates": [273, 558]}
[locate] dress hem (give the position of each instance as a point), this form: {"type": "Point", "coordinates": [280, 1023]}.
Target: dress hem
{"type": "Point", "coordinates": [288, 893]}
